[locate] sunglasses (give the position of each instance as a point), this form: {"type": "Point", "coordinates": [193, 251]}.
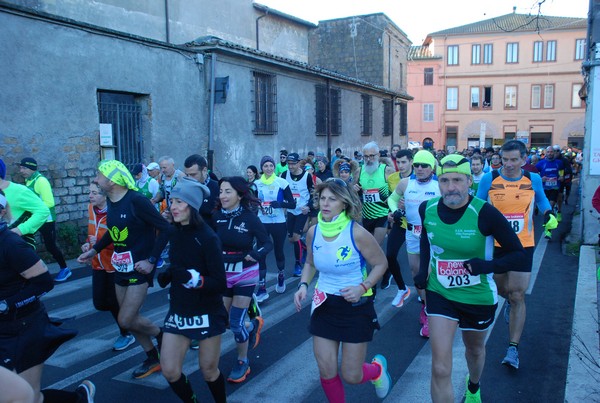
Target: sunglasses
{"type": "Point", "coordinates": [337, 181]}
{"type": "Point", "coordinates": [419, 165]}
{"type": "Point", "coordinates": [371, 155]}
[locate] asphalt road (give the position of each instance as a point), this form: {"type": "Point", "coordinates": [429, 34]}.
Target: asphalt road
{"type": "Point", "coordinates": [284, 368]}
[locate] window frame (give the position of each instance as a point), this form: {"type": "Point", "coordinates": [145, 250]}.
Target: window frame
{"type": "Point", "coordinates": [428, 115]}
{"type": "Point", "coordinates": [482, 92]}
{"type": "Point", "coordinates": [549, 52]}
{"type": "Point", "coordinates": [580, 49]}
{"type": "Point", "coordinates": [264, 103]}
{"type": "Point", "coordinates": [538, 51]}
{"type": "Point", "coordinates": [514, 96]}
{"type": "Point", "coordinates": [489, 53]}
{"type": "Point", "coordinates": [452, 60]}
{"type": "Point", "coordinates": [428, 76]}
{"type": "Point", "coordinates": [534, 96]}
{"type": "Point", "coordinates": [334, 109]}
{"type": "Point", "coordinates": [512, 50]}
{"type": "Point", "coordinates": [366, 102]}
{"type": "Point", "coordinates": [549, 96]}
{"type": "Point", "coordinates": [388, 117]}
{"type": "Point", "coordinates": [575, 96]}
{"type": "Point", "coordinates": [475, 54]}
{"type": "Point", "coordinates": [455, 91]}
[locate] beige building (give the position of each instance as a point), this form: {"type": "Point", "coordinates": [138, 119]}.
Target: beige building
{"type": "Point", "coordinates": [514, 76]}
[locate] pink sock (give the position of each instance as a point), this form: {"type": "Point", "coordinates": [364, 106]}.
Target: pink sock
{"type": "Point", "coordinates": [334, 389]}
{"type": "Point", "coordinates": [370, 372]}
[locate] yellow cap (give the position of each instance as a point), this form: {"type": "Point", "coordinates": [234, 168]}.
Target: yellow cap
{"type": "Point", "coordinates": [424, 157]}
{"type": "Point", "coordinates": [456, 163]}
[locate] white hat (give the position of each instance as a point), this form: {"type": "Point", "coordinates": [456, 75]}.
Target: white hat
{"type": "Point", "coordinates": [152, 166]}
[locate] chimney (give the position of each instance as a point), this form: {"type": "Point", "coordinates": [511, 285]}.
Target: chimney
{"type": "Point", "coordinates": [514, 9]}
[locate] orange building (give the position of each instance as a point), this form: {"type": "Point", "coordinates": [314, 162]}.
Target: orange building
{"type": "Point", "coordinates": [516, 76]}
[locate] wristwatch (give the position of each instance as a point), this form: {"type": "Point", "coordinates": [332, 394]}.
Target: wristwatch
{"type": "Point", "coordinates": [3, 307]}
{"type": "Point", "coordinates": [303, 283]}
{"type": "Point", "coordinates": [152, 260]}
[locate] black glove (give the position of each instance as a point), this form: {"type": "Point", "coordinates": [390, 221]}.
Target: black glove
{"type": "Point", "coordinates": [398, 215]}
{"type": "Point", "coordinates": [420, 280]}
{"type": "Point", "coordinates": [479, 266]}
{"type": "Point", "coordinates": [275, 204]}
{"type": "Point", "coordinates": [164, 278]}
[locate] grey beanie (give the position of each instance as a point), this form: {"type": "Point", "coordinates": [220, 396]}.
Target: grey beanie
{"type": "Point", "coordinates": [266, 158]}
{"type": "Point", "coordinates": [190, 191]}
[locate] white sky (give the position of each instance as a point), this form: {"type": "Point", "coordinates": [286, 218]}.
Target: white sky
{"type": "Point", "coordinates": [418, 18]}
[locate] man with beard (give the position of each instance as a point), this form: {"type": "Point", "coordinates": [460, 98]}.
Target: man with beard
{"type": "Point", "coordinates": [373, 188]}
{"type": "Point", "coordinates": [168, 180]}
{"type": "Point", "coordinates": [409, 194]}
{"type": "Point", "coordinates": [456, 269]}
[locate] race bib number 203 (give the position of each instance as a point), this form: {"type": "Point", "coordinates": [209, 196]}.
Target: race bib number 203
{"type": "Point", "coordinates": [452, 274]}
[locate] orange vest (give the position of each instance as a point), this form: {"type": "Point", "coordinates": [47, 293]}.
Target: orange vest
{"type": "Point", "coordinates": [96, 228]}
{"type": "Point", "coordinates": [515, 200]}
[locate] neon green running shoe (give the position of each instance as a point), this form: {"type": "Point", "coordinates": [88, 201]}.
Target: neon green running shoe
{"type": "Point", "coordinates": [472, 397]}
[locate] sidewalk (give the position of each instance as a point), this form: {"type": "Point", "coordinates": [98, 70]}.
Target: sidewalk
{"type": "Point", "coordinates": [583, 373]}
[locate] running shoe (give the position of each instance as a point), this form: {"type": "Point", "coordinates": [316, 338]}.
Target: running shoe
{"type": "Point", "coordinates": [253, 308]}
{"type": "Point", "coordinates": [424, 332]}
{"type": "Point", "coordinates": [160, 263]}
{"type": "Point", "coordinates": [507, 311]}
{"type": "Point", "coordinates": [512, 357]}
{"type": "Point", "coordinates": [383, 383]}
{"type": "Point", "coordinates": [239, 372]}
{"type": "Point", "coordinates": [63, 275]}
{"type": "Point", "coordinates": [298, 270]}
{"type": "Point", "coordinates": [386, 281]}
{"type": "Point", "coordinates": [123, 342]}
{"type": "Point", "coordinates": [472, 397]}
{"type": "Point", "coordinates": [422, 315]}
{"type": "Point", "coordinates": [400, 297]}
{"type": "Point", "coordinates": [280, 287]}
{"type": "Point", "coordinates": [87, 390]}
{"type": "Point", "coordinates": [262, 294]}
{"type": "Point", "coordinates": [254, 336]}
{"type": "Point", "coordinates": [148, 367]}
{"type": "Point", "coordinates": [194, 344]}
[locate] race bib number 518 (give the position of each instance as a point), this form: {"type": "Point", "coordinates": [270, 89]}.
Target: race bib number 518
{"type": "Point", "coordinates": [452, 274]}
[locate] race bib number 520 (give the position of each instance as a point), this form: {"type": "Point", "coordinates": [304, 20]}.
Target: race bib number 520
{"type": "Point", "coordinates": [452, 274]}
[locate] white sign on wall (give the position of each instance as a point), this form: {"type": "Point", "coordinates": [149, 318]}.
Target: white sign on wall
{"type": "Point", "coordinates": [595, 136]}
{"type": "Point", "coordinates": [106, 135]}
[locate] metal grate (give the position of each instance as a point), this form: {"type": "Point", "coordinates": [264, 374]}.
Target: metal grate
{"type": "Point", "coordinates": [265, 103]}
{"type": "Point", "coordinates": [125, 116]}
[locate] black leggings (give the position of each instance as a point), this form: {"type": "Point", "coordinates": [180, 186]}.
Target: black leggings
{"type": "Point", "coordinates": [278, 232]}
{"type": "Point", "coordinates": [105, 296]}
{"type": "Point", "coordinates": [48, 231]}
{"type": "Point", "coordinates": [395, 239]}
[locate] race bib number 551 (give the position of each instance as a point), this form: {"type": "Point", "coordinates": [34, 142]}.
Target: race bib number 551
{"type": "Point", "coordinates": [452, 274]}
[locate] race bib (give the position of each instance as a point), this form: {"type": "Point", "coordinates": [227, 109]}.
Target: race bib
{"type": "Point", "coordinates": [267, 209]}
{"type": "Point", "coordinates": [551, 182]}
{"type": "Point", "coordinates": [516, 221]}
{"type": "Point", "coordinates": [296, 196]}
{"type": "Point", "coordinates": [190, 322]}
{"type": "Point", "coordinates": [122, 262]}
{"type": "Point", "coordinates": [318, 298]}
{"type": "Point", "coordinates": [417, 230]}
{"type": "Point", "coordinates": [234, 267]}
{"type": "Point", "coordinates": [371, 196]}
{"type": "Point", "coordinates": [452, 274]}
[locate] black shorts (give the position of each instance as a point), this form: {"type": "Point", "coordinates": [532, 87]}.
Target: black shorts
{"type": "Point", "coordinates": [339, 320]}
{"type": "Point", "coordinates": [295, 224]}
{"type": "Point", "coordinates": [134, 278]}
{"type": "Point", "coordinates": [525, 266]}
{"type": "Point", "coordinates": [551, 194]}
{"type": "Point", "coordinates": [371, 223]}
{"type": "Point", "coordinates": [469, 317]}
{"type": "Point", "coordinates": [198, 327]}
{"type": "Point", "coordinates": [30, 340]}
{"type": "Point", "coordinates": [244, 291]}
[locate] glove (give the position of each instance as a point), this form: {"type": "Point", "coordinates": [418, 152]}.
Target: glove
{"type": "Point", "coordinates": [550, 221]}
{"type": "Point", "coordinates": [275, 204]}
{"type": "Point", "coordinates": [189, 278]}
{"type": "Point", "coordinates": [478, 266]}
{"type": "Point", "coordinates": [164, 278]}
{"type": "Point", "coordinates": [398, 215]}
{"type": "Point", "coordinates": [420, 280]}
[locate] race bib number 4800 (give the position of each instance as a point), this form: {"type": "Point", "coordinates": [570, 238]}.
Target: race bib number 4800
{"type": "Point", "coordinates": [452, 274]}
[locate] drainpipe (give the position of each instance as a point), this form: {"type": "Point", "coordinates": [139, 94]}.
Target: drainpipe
{"type": "Point", "coordinates": [211, 112]}
{"type": "Point", "coordinates": [328, 117]}
{"type": "Point", "coordinates": [167, 32]}
{"type": "Point", "coordinates": [392, 100]}
{"type": "Point", "coordinates": [257, 36]}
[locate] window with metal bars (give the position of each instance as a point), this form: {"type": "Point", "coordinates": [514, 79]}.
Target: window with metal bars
{"type": "Point", "coordinates": [388, 115]}
{"type": "Point", "coordinates": [265, 103]}
{"type": "Point", "coordinates": [123, 111]}
{"type": "Point", "coordinates": [367, 115]}
{"type": "Point", "coordinates": [328, 107]}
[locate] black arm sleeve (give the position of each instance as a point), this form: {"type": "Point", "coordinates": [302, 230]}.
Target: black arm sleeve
{"type": "Point", "coordinates": [264, 245]}
{"type": "Point", "coordinates": [213, 271]}
{"type": "Point", "coordinates": [146, 212]}
{"type": "Point", "coordinates": [492, 222]}
{"type": "Point", "coordinates": [424, 247]}
{"type": "Point", "coordinates": [33, 290]}
{"type": "Point", "coordinates": [102, 242]}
